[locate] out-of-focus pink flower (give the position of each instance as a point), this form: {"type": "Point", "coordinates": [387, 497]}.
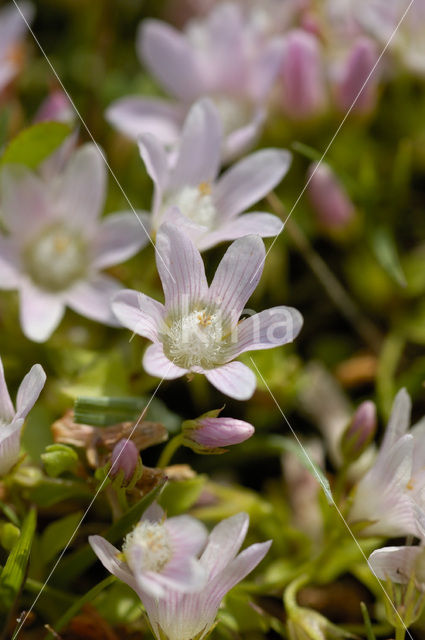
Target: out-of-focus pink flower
{"type": "Point", "coordinates": [210, 206]}
{"type": "Point", "coordinates": [224, 56]}
{"type": "Point", "coordinates": [360, 432]}
{"type": "Point", "coordinates": [356, 84]}
{"type": "Point", "coordinates": [12, 31]}
{"type": "Point", "coordinates": [328, 197]}
{"type": "Point", "coordinates": [387, 494]}
{"type": "Point", "coordinates": [209, 433]}
{"type": "Point", "coordinates": [159, 555]}
{"type": "Point", "coordinates": [302, 72]}
{"type": "Point", "coordinates": [56, 247]}
{"type": "Point", "coordinates": [125, 457]}
{"type": "Point", "coordinates": [11, 420]}
{"type": "Point", "coordinates": [56, 108]}
{"type": "Point", "coordinates": [184, 616]}
{"type": "Point", "coordinates": [198, 328]}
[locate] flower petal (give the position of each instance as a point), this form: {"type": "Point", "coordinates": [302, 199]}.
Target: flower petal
{"type": "Point", "coordinates": [181, 270]}
{"type": "Point", "coordinates": [250, 180]}
{"type": "Point", "coordinates": [156, 163]}
{"type": "Point", "coordinates": [9, 265]}
{"type": "Point", "coordinates": [236, 277]}
{"type": "Point", "coordinates": [171, 59]}
{"type": "Point", "coordinates": [93, 298]}
{"type": "Point", "coordinates": [109, 557]}
{"type": "Point", "coordinates": [399, 421]}
{"type": "Point", "coordinates": [25, 203]}
{"type": "Point", "coordinates": [199, 153]}
{"type": "Point", "coordinates": [188, 536]}
{"type": "Point", "coordinates": [82, 187]}
{"type": "Point", "coordinates": [265, 225]}
{"type": "Point", "coordinates": [395, 563]}
{"type": "Point", "coordinates": [267, 329]}
{"type": "Point", "coordinates": [10, 437]}
{"type": "Point", "coordinates": [139, 313]}
{"type": "Point", "coordinates": [29, 390]}
{"type": "Point", "coordinates": [40, 312]}
{"type": "Point", "coordinates": [157, 364]}
{"type": "Point", "coordinates": [224, 543]}
{"type": "Point", "coordinates": [134, 116]}
{"type": "Point", "coordinates": [120, 237]}
{"type": "Point", "coordinates": [240, 140]}
{"type": "Point", "coordinates": [7, 410]}
{"type": "Point", "coordinates": [221, 432]}
{"type": "Point", "coordinates": [234, 379]}
{"type": "Point", "coordinates": [185, 577]}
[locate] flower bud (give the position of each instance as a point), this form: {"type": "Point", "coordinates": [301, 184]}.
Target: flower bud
{"type": "Point", "coordinates": [359, 432]}
{"type": "Point", "coordinates": [57, 108]}
{"type": "Point", "coordinates": [302, 76]}
{"type": "Point", "coordinates": [208, 433]}
{"type": "Point", "coordinates": [328, 197]}
{"type": "Point", "coordinates": [354, 74]}
{"type": "Point", "coordinates": [125, 457]}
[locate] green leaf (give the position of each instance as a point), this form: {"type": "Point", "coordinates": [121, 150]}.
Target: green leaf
{"type": "Point", "coordinates": [56, 536]}
{"type": "Point", "coordinates": [76, 563]}
{"type": "Point", "coordinates": [387, 254]}
{"type": "Point", "coordinates": [35, 144]}
{"type": "Point", "coordinates": [59, 458]}
{"type": "Point", "coordinates": [368, 625]}
{"type": "Point", "coordinates": [178, 497]}
{"type": "Point", "coordinates": [13, 573]}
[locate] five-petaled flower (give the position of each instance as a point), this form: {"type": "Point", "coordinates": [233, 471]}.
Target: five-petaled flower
{"type": "Point", "coordinates": [176, 615]}
{"type": "Point", "coordinates": [197, 329]}
{"type": "Point", "coordinates": [11, 420]}
{"type": "Point", "coordinates": [210, 207]}
{"type": "Point", "coordinates": [55, 245]}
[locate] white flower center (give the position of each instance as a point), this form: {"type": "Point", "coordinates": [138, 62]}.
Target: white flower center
{"type": "Point", "coordinates": [234, 113]}
{"type": "Point", "coordinates": [197, 339]}
{"type": "Point", "coordinates": [56, 258]}
{"type": "Point", "coordinates": [153, 539]}
{"type": "Point", "coordinates": [195, 203]}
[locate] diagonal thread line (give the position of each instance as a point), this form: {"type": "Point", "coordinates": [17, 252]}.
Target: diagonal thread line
{"type": "Point", "coordinates": [98, 148]}
{"type": "Point", "coordinates": [332, 140]}
{"type": "Point", "coordinates": [27, 613]}
{"type": "Point", "coordinates": [325, 489]}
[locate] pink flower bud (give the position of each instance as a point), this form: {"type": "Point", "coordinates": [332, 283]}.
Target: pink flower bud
{"type": "Point", "coordinates": [57, 108]}
{"type": "Point", "coordinates": [302, 76]}
{"type": "Point", "coordinates": [354, 74]}
{"type": "Point", "coordinates": [359, 432]}
{"type": "Point", "coordinates": [328, 197]}
{"type": "Point", "coordinates": [125, 457]}
{"type": "Point", "coordinates": [209, 433]}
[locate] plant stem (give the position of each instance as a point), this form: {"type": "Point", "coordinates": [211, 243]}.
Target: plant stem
{"type": "Point", "coordinates": [169, 450]}
{"type": "Point", "coordinates": [336, 292]}
{"type": "Point", "coordinates": [400, 633]}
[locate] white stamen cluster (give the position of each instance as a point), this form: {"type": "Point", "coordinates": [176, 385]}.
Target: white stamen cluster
{"type": "Point", "coordinates": [196, 204]}
{"type": "Point", "coordinates": [56, 258]}
{"type": "Point", "coordinates": [153, 540]}
{"type": "Point", "coordinates": [196, 339]}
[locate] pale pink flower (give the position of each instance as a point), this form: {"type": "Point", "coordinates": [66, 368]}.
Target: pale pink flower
{"type": "Point", "coordinates": [12, 31]}
{"type": "Point", "coordinates": [56, 246]}
{"type": "Point", "coordinates": [210, 206]}
{"type": "Point", "coordinates": [11, 419]}
{"type": "Point", "coordinates": [209, 433]}
{"type": "Point", "coordinates": [386, 494]}
{"type": "Point", "coordinates": [329, 198]}
{"type": "Point", "coordinates": [224, 56]}
{"type": "Point", "coordinates": [198, 328]}
{"type": "Point", "coordinates": [355, 83]}
{"type": "Point", "coordinates": [184, 616]}
{"type": "Point", "coordinates": [159, 555]}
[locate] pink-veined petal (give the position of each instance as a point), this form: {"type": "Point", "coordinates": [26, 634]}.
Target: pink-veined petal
{"type": "Point", "coordinates": [171, 58]}
{"type": "Point", "coordinates": [234, 379]}
{"type": "Point", "coordinates": [156, 363]}
{"type": "Point", "coordinates": [139, 313]}
{"type": "Point", "coordinates": [221, 432]}
{"type": "Point", "coordinates": [7, 410]}
{"type": "Point", "coordinates": [199, 152]}
{"type": "Point", "coordinates": [93, 298]}
{"type": "Point", "coordinates": [250, 180]}
{"type": "Point", "coordinates": [133, 116]}
{"type": "Point", "coordinates": [181, 270]}
{"type": "Point", "coordinates": [120, 236]}
{"type": "Point", "coordinates": [396, 563]}
{"type": "Point", "coordinates": [29, 390]}
{"type": "Point", "coordinates": [10, 437]}
{"type": "Point", "coordinates": [40, 312]}
{"type": "Point", "coordinates": [109, 557]}
{"type": "Point", "coordinates": [224, 543]}
{"type": "Point", "coordinates": [155, 160]}
{"type": "Point", "coordinates": [264, 225]}
{"type": "Point", "coordinates": [399, 421]}
{"type": "Point", "coordinates": [236, 277]}
{"type": "Point", "coordinates": [188, 536]}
